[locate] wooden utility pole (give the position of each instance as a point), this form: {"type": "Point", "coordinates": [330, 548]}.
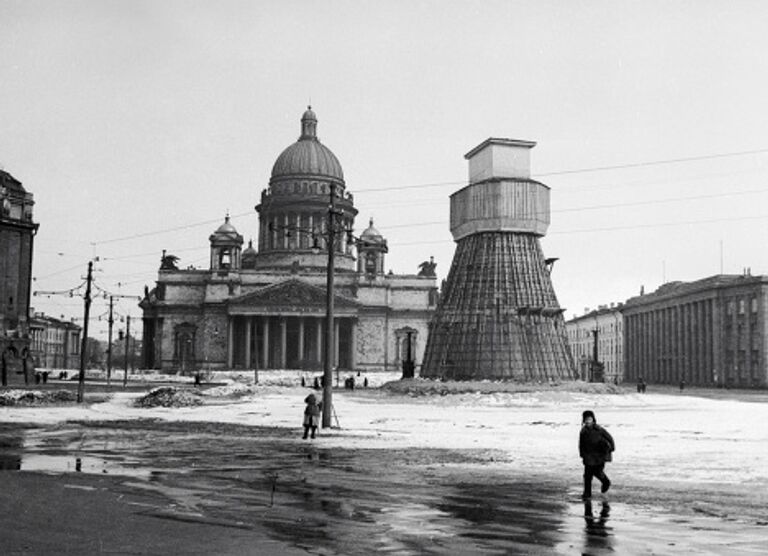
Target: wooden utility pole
{"type": "Point", "coordinates": [127, 340]}
{"type": "Point", "coordinates": [329, 331]}
{"type": "Point", "coordinates": [109, 344]}
{"type": "Point", "coordinates": [84, 342]}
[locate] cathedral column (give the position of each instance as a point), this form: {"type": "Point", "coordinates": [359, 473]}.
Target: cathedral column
{"type": "Point", "coordinates": [230, 343]}
{"type": "Point", "coordinates": [336, 328]}
{"type": "Point", "coordinates": [319, 346]}
{"type": "Point", "coordinates": [301, 340]}
{"type": "Point", "coordinates": [265, 343]}
{"type": "Point", "coordinates": [256, 352]}
{"type": "Point", "coordinates": [352, 344]}
{"type": "Point", "coordinates": [283, 341]}
{"type": "Point", "coordinates": [248, 329]}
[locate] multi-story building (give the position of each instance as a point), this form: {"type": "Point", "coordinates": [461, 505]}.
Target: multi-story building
{"type": "Point", "coordinates": [17, 231]}
{"type": "Point", "coordinates": [607, 323]}
{"type": "Point", "coordinates": [55, 344]}
{"type": "Point", "coordinates": [264, 307]}
{"type": "Point", "coordinates": [710, 332]}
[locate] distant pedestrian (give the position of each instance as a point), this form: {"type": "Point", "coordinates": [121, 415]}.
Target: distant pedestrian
{"type": "Point", "coordinates": [595, 448]}
{"type": "Point", "coordinates": [640, 385]}
{"type": "Point", "coordinates": [311, 415]}
{"type": "Point", "coordinates": [682, 385]}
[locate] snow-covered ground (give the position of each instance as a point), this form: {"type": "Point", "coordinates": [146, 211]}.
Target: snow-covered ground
{"type": "Point", "coordinates": [670, 438]}
{"type": "Point", "coordinates": [690, 472]}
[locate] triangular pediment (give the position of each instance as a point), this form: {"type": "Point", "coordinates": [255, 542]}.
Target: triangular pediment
{"type": "Point", "coordinates": [290, 296]}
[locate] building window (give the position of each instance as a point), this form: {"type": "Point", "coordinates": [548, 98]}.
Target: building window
{"type": "Point", "coordinates": [741, 306]}
{"type": "Point", "coordinates": [754, 305]}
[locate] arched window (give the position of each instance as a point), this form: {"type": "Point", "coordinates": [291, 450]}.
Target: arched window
{"type": "Point", "coordinates": [225, 258]}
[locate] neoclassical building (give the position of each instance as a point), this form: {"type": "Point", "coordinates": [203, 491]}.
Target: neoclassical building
{"type": "Point", "coordinates": [264, 307]}
{"type": "Point", "coordinates": [607, 322]}
{"type": "Point", "coordinates": [709, 332]}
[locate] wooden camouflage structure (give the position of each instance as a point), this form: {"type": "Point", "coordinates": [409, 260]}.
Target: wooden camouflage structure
{"type": "Point", "coordinates": [498, 316]}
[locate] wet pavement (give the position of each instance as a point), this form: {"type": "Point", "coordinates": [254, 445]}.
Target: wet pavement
{"type": "Point", "coordinates": [322, 501]}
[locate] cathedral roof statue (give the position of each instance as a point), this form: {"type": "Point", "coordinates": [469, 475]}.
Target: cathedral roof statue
{"type": "Point", "coordinates": [8, 182]}
{"type": "Point", "coordinates": [307, 157]}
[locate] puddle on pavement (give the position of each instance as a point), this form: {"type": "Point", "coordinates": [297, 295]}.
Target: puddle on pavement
{"type": "Point", "coordinates": [86, 464]}
{"type": "Point", "coordinates": [45, 463]}
{"type": "Point", "coordinates": [29, 452]}
{"type": "Point", "coordinates": [317, 497]}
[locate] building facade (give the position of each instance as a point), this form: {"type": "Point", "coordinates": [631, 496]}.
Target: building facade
{"type": "Point", "coordinates": [54, 343]}
{"type": "Point", "coordinates": [608, 322]}
{"type": "Point", "coordinates": [17, 232]}
{"type": "Point", "coordinates": [264, 307]}
{"type": "Point", "coordinates": [499, 317]}
{"type": "Point", "coordinates": [711, 332]}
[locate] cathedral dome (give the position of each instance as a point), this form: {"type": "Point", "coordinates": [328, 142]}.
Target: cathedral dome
{"type": "Point", "coordinates": [249, 251]}
{"type": "Point", "coordinates": [226, 234]}
{"type": "Point", "coordinates": [371, 234]}
{"type": "Point", "coordinates": [249, 256]}
{"type": "Point", "coordinates": [226, 227]}
{"type": "Point", "coordinates": [307, 156]}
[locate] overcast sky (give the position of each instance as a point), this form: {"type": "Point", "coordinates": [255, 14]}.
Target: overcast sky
{"type": "Point", "coordinates": [130, 118]}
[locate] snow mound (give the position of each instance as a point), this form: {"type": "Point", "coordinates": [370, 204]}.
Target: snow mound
{"type": "Point", "coordinates": [232, 390]}
{"type": "Point", "coordinates": [168, 396]}
{"type": "Point", "coordinates": [426, 387]}
{"type": "Point", "coordinates": [36, 397]}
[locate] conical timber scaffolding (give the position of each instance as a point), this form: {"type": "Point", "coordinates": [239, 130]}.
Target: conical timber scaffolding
{"type": "Point", "coordinates": [498, 317]}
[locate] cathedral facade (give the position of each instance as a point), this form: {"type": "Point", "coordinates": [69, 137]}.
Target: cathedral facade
{"type": "Point", "coordinates": [264, 307]}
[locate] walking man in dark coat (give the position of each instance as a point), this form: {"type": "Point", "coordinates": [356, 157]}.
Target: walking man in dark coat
{"type": "Point", "coordinates": [595, 448]}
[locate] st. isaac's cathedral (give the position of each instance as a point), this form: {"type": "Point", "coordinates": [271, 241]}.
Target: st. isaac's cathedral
{"type": "Point", "coordinates": [264, 307]}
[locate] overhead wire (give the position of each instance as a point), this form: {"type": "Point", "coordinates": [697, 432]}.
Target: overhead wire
{"type": "Point", "coordinates": [442, 222]}
{"type": "Point", "coordinates": [616, 228]}
{"type": "Point", "coordinates": [585, 170]}
{"type": "Point", "coordinates": [438, 184]}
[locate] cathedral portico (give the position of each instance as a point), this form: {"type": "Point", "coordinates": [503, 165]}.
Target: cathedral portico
{"type": "Point", "coordinates": [281, 327]}
{"type": "Point", "coordinates": [284, 341]}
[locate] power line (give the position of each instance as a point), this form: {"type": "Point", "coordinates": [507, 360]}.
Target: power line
{"type": "Point", "coordinates": [168, 230]}
{"type": "Point", "coordinates": [661, 224]}
{"type": "Point", "coordinates": [58, 272]}
{"type": "Point", "coordinates": [614, 205]}
{"type": "Point", "coordinates": [463, 182]}
{"type": "Point", "coordinates": [583, 170]}
{"type": "Point", "coordinates": [654, 163]}
{"type": "Point", "coordinates": [667, 200]}
{"type": "Point", "coordinates": [619, 228]}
